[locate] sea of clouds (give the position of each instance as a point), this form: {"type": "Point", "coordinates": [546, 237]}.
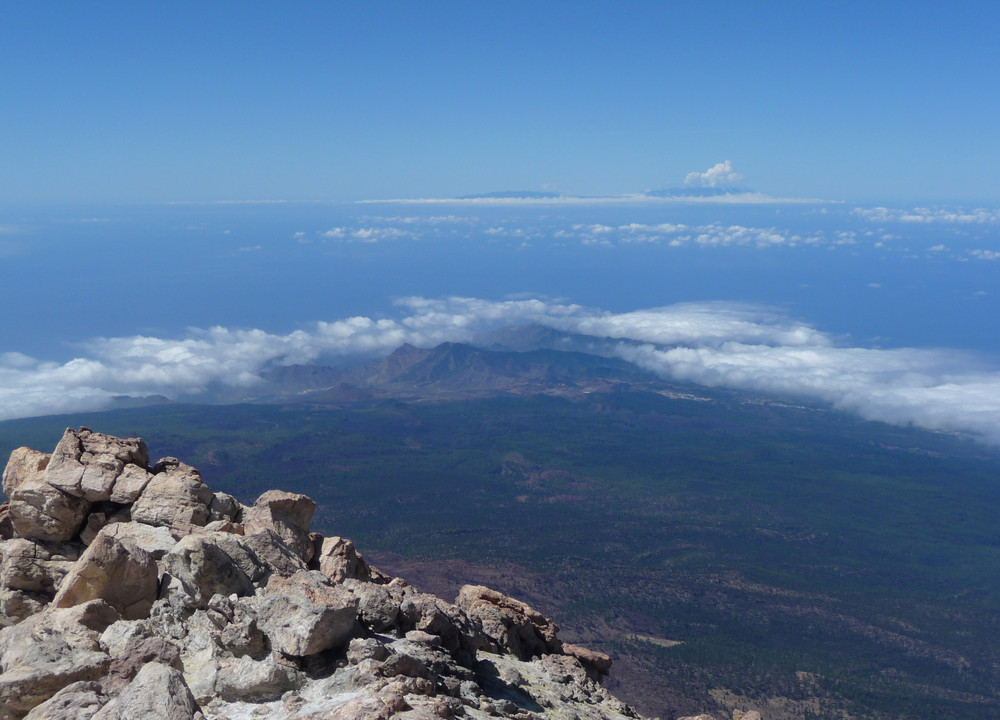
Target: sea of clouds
{"type": "Point", "coordinates": [714, 344]}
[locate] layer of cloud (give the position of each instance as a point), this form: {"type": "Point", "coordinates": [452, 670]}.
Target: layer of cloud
{"type": "Point", "coordinates": [978, 216]}
{"type": "Point", "coordinates": [365, 234]}
{"type": "Point", "coordinates": [735, 198]}
{"type": "Point", "coordinates": [712, 235]}
{"type": "Point", "coordinates": [714, 344]}
{"type": "Point", "coordinates": [719, 175]}
{"type": "Point", "coordinates": [428, 220]}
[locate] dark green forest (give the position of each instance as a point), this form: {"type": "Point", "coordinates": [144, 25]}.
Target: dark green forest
{"type": "Point", "coordinates": [730, 542]}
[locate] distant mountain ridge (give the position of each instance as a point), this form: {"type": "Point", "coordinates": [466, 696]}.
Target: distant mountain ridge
{"type": "Point", "coordinates": [513, 195]}
{"type": "Point", "coordinates": [701, 192]}
{"type": "Point", "coordinates": [464, 368]}
{"type": "Point", "coordinates": [672, 192]}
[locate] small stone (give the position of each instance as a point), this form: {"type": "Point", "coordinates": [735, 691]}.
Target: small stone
{"type": "Point", "coordinates": [362, 649]}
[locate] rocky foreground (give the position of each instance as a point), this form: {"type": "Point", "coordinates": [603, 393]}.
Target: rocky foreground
{"type": "Point", "coordinates": [131, 590]}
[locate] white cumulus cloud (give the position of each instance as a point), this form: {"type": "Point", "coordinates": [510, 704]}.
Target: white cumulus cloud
{"type": "Point", "coordinates": [719, 175]}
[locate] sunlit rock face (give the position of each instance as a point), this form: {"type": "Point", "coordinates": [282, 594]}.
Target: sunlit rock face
{"type": "Point", "coordinates": [129, 589]}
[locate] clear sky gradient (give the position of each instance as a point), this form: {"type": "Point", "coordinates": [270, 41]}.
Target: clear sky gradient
{"type": "Point", "coordinates": [184, 101]}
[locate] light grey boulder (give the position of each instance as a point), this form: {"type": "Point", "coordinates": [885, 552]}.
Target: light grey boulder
{"type": "Point", "coordinates": [272, 550]}
{"type": "Point", "coordinates": [213, 563]}
{"type": "Point", "coordinates": [38, 510]}
{"type": "Point", "coordinates": [224, 507]}
{"type": "Point", "coordinates": [48, 651]}
{"type": "Point", "coordinates": [24, 464]}
{"type": "Point", "coordinates": [26, 686]}
{"type": "Point", "coordinates": [75, 628]}
{"type": "Point", "coordinates": [113, 569]}
{"type": "Point", "coordinates": [137, 652]}
{"type": "Point", "coordinates": [511, 624]}
{"type": "Point", "coordinates": [423, 611]}
{"type": "Point", "coordinates": [87, 464]}
{"type": "Point", "coordinates": [288, 515]}
{"type": "Point", "coordinates": [130, 484]}
{"type": "Point", "coordinates": [243, 553]}
{"type": "Point", "coordinates": [248, 680]}
{"type": "Point", "coordinates": [158, 692]}
{"type": "Point", "coordinates": [41, 512]}
{"type": "Point", "coordinates": [597, 664]}
{"type": "Point", "coordinates": [77, 701]}
{"type": "Point", "coordinates": [339, 559]}
{"type": "Point", "coordinates": [155, 540]}
{"type": "Point", "coordinates": [30, 574]}
{"type": "Point", "coordinates": [118, 635]}
{"type": "Point", "coordinates": [378, 605]}
{"type": "Point", "coordinates": [306, 614]}
{"type": "Point", "coordinates": [174, 497]}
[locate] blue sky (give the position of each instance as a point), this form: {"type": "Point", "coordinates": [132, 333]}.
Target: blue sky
{"type": "Point", "coordinates": [141, 142]}
{"type": "Point", "coordinates": [152, 102]}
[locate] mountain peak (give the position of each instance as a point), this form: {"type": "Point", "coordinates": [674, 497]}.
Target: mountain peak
{"type": "Point", "coordinates": [532, 359]}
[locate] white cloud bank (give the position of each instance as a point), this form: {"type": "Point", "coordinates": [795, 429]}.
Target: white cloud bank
{"type": "Point", "coordinates": [715, 344]}
{"type": "Point", "coordinates": [712, 235]}
{"type": "Point", "coordinates": [924, 215]}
